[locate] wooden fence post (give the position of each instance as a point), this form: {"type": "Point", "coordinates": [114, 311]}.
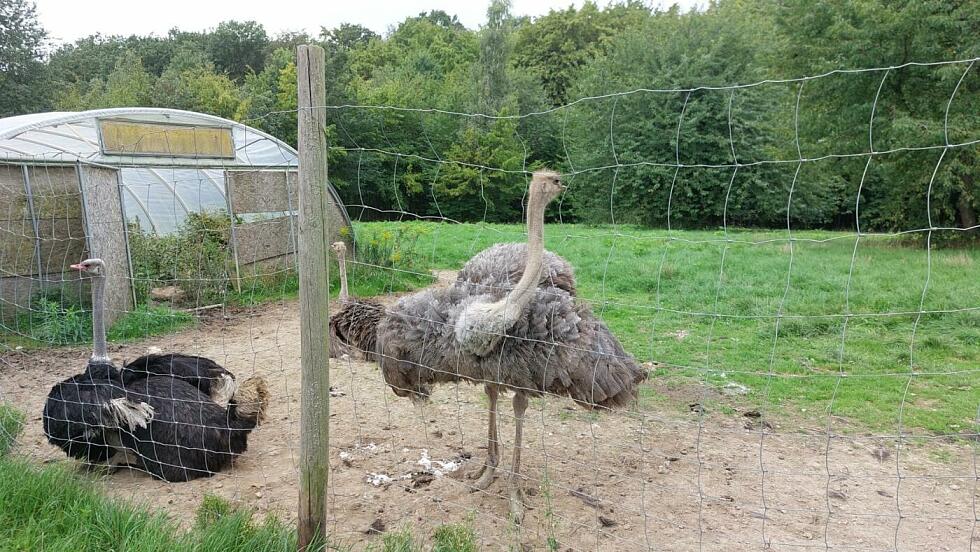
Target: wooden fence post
{"type": "Point", "coordinates": [314, 303]}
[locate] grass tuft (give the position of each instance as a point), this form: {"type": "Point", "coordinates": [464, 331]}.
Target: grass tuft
{"type": "Point", "coordinates": [11, 424]}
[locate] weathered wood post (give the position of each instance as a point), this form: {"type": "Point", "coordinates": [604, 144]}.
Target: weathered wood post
{"type": "Point", "coordinates": [313, 286]}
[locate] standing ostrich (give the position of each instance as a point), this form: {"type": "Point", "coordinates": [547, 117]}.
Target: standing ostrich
{"type": "Point", "coordinates": [531, 340]}
{"type": "Point", "coordinates": [502, 265]}
{"type": "Point", "coordinates": [354, 327]}
{"type": "Point", "coordinates": [152, 420]}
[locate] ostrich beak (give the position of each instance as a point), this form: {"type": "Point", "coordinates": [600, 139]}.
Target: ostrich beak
{"type": "Point", "coordinates": [77, 266]}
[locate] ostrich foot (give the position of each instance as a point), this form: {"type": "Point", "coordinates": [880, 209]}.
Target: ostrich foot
{"type": "Point", "coordinates": [517, 504]}
{"type": "Point", "coordinates": [484, 475]}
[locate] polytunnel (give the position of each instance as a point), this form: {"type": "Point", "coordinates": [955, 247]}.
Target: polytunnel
{"type": "Point", "coordinates": [75, 184]}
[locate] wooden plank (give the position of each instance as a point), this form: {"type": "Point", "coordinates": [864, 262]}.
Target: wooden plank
{"type": "Point", "coordinates": [262, 240]}
{"type": "Point", "coordinates": [106, 230]}
{"type": "Point", "coordinates": [55, 191]}
{"type": "Point", "coordinates": [18, 255]}
{"type": "Point", "coordinates": [62, 243]}
{"type": "Point", "coordinates": [314, 303]}
{"type": "Point", "coordinates": [17, 237]}
{"type": "Point", "coordinates": [14, 207]}
{"type": "Point", "coordinates": [261, 191]}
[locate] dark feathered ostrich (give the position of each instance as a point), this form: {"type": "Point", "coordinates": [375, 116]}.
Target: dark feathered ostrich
{"type": "Point", "coordinates": [166, 424]}
{"type": "Point", "coordinates": [531, 340]}
{"type": "Point", "coordinates": [203, 373]}
{"type": "Point", "coordinates": [353, 329]}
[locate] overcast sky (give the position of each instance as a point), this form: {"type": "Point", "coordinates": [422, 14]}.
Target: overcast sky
{"type": "Point", "coordinates": [67, 20]}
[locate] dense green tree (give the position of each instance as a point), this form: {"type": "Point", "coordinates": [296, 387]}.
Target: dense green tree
{"type": "Point", "coordinates": [558, 44]}
{"type": "Point", "coordinates": [22, 74]}
{"type": "Point", "coordinates": [628, 147]}
{"type": "Point", "coordinates": [636, 104]}
{"type": "Point", "coordinates": [912, 104]}
{"type": "Point", "coordinates": [127, 85]}
{"type": "Point", "coordinates": [190, 82]}
{"type": "Point", "coordinates": [235, 47]}
{"type": "Point", "coordinates": [495, 52]}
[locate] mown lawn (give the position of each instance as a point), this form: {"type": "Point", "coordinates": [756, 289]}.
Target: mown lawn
{"type": "Point", "coordinates": [795, 321]}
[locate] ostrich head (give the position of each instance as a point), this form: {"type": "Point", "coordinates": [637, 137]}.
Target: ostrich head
{"type": "Point", "coordinates": [482, 324]}
{"type": "Point", "coordinates": [407, 383]}
{"type": "Point", "coordinates": [94, 267]}
{"type": "Point", "coordinates": [340, 248]}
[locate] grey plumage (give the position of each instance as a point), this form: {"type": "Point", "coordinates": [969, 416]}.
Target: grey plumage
{"type": "Point", "coordinates": [353, 329]}
{"type": "Point", "coordinates": [557, 347]}
{"type": "Point", "coordinates": [526, 334]}
{"type": "Point", "coordinates": [500, 266]}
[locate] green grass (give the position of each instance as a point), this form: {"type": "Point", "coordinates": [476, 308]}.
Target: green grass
{"type": "Point", "coordinates": [11, 422]}
{"type": "Point", "coordinates": [660, 294]}
{"type": "Point", "coordinates": [51, 508]}
{"type": "Point", "coordinates": [54, 508]}
{"type": "Point", "coordinates": [451, 537]}
{"type": "Point", "coordinates": [51, 324]}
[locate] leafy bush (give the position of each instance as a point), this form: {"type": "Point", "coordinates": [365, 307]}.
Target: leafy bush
{"type": "Point", "coordinates": [392, 245]}
{"type": "Point", "coordinates": [196, 259]}
{"type": "Point", "coordinates": [56, 321]}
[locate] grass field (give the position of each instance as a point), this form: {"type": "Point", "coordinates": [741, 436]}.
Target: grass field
{"type": "Point", "coordinates": [706, 306]}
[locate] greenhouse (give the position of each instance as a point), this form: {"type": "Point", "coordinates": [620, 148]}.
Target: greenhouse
{"type": "Point", "coordinates": [76, 184]}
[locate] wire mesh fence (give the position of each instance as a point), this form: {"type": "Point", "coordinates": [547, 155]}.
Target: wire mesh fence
{"type": "Point", "coordinates": [805, 389]}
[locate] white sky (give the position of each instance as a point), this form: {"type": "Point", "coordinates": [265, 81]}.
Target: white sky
{"type": "Point", "coordinates": [67, 20]}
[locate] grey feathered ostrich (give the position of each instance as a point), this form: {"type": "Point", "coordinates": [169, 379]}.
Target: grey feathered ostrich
{"type": "Point", "coordinates": [531, 340]}
{"type": "Point", "coordinates": [502, 265]}
{"type": "Point", "coordinates": [353, 328]}
{"type": "Point", "coordinates": [157, 415]}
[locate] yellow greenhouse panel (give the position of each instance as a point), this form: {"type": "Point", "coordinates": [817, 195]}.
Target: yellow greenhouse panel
{"type": "Point", "coordinates": [121, 137]}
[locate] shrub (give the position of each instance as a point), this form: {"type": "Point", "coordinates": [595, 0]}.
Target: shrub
{"type": "Point", "coordinates": [196, 259]}
{"type": "Point", "coordinates": [390, 245]}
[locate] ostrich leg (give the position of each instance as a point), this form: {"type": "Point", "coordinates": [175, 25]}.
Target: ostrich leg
{"type": "Point", "coordinates": [516, 485]}
{"type": "Point", "coordinates": [486, 472]}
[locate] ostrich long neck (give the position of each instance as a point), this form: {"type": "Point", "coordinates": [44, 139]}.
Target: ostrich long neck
{"type": "Point", "coordinates": [100, 352]}
{"type": "Point", "coordinates": [521, 295]}
{"type": "Point", "coordinates": [342, 262]}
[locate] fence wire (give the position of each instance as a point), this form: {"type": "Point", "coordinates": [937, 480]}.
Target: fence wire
{"type": "Point", "coordinates": [746, 436]}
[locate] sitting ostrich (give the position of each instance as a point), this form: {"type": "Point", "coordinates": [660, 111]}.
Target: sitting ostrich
{"type": "Point", "coordinates": [354, 327]}
{"type": "Point", "coordinates": [203, 373]}
{"type": "Point", "coordinates": [150, 420]}
{"type": "Point", "coordinates": [531, 340]}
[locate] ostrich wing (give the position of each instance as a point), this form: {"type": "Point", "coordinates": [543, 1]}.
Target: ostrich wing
{"type": "Point", "coordinates": [203, 373]}
{"type": "Point", "coordinates": [500, 266]}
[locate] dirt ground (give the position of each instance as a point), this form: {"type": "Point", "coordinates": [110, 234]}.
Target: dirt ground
{"type": "Point", "coordinates": [623, 481]}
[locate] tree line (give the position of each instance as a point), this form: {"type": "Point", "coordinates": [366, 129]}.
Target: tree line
{"type": "Point", "coordinates": [481, 107]}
